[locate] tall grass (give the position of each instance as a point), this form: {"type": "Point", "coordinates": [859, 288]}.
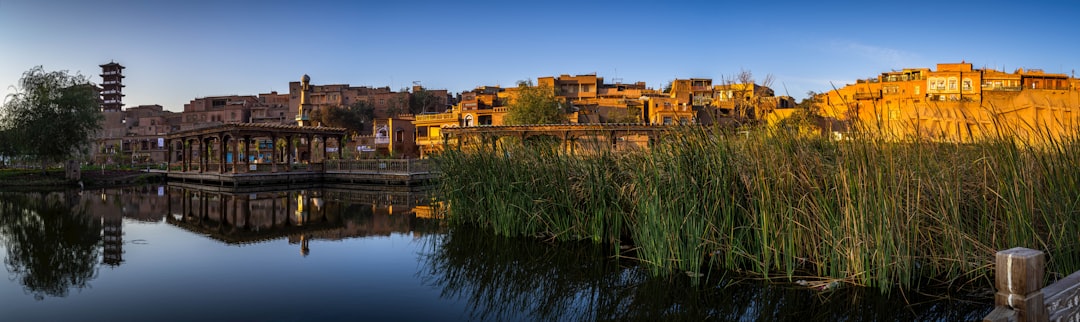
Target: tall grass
{"type": "Point", "coordinates": [863, 210]}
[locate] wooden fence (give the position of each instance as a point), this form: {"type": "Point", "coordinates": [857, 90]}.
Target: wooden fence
{"type": "Point", "coordinates": [1018, 276]}
{"type": "Point", "coordinates": [379, 166]}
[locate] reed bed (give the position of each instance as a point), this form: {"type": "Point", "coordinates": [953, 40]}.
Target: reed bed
{"type": "Point", "coordinates": [781, 204]}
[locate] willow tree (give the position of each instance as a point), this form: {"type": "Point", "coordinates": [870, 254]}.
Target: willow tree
{"type": "Point", "coordinates": [51, 115]}
{"type": "Point", "coordinates": [535, 105]}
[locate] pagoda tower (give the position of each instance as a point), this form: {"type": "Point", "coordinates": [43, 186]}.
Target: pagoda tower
{"type": "Point", "coordinates": [112, 87]}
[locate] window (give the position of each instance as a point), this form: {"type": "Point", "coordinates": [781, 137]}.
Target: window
{"type": "Point", "coordinates": [399, 135]}
{"type": "Point", "coordinates": [967, 84]}
{"type": "Point", "coordinates": [916, 90]}
{"type": "Point", "coordinates": [667, 120]}
{"type": "Point", "coordinates": [952, 83]}
{"type": "Point", "coordinates": [468, 120]}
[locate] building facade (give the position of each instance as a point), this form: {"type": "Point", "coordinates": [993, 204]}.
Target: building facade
{"type": "Point", "coordinates": [957, 102]}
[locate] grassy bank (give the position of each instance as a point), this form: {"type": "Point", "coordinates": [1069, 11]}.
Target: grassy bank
{"type": "Point", "coordinates": [860, 211]}
{"type": "Point", "coordinates": [91, 177]}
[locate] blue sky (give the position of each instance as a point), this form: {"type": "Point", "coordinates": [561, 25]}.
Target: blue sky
{"type": "Point", "coordinates": [175, 51]}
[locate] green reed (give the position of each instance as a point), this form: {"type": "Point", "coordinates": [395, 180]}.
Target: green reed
{"type": "Point", "coordinates": [862, 210]}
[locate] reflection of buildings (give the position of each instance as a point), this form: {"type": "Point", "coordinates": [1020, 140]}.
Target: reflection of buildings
{"type": "Point", "coordinates": [113, 205]}
{"type": "Point", "coordinates": [299, 215]}
{"type": "Point", "coordinates": [112, 237]}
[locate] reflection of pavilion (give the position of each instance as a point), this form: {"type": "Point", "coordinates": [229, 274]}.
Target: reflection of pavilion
{"type": "Point", "coordinates": [297, 215]}
{"type": "Point", "coordinates": [249, 218]}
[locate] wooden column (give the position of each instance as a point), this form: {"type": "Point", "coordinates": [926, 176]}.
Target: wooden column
{"type": "Point", "coordinates": [310, 151]}
{"type": "Point", "coordinates": [202, 154]}
{"type": "Point", "coordinates": [236, 153]}
{"type": "Point", "coordinates": [168, 156]}
{"type": "Point", "coordinates": [288, 153]}
{"type": "Point", "coordinates": [273, 153]}
{"type": "Point", "coordinates": [247, 153]}
{"type": "Point", "coordinates": [340, 147]}
{"type": "Point", "coordinates": [1018, 275]}
{"type": "Point", "coordinates": [223, 148]}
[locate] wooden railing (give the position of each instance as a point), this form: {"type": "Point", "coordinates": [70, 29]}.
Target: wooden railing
{"type": "Point", "coordinates": [1018, 276]}
{"type": "Point", "coordinates": [399, 166]}
{"type": "Point", "coordinates": [379, 166]}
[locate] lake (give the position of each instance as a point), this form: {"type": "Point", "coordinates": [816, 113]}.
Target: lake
{"type": "Point", "coordinates": [191, 253]}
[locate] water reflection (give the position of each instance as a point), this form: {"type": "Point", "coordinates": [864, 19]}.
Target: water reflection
{"type": "Point", "coordinates": [56, 241]}
{"type": "Point", "coordinates": [297, 215]}
{"type": "Point", "coordinates": [51, 242]}
{"type": "Point", "coordinates": [503, 279]}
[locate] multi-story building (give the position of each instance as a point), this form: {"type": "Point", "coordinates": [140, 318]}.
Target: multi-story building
{"type": "Point", "coordinates": [385, 102]}
{"type": "Point", "coordinates": [132, 135]}
{"type": "Point", "coordinates": [718, 103]}
{"type": "Point", "coordinates": [135, 135]}
{"type": "Point", "coordinates": [957, 102]}
{"type": "Point", "coordinates": [272, 108]}
{"type": "Point", "coordinates": [591, 100]}
{"type": "Point", "coordinates": [112, 87]}
{"type": "Point", "coordinates": [485, 105]}
{"type": "Point", "coordinates": [214, 110]}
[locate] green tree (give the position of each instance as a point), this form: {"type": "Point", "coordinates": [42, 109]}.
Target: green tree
{"type": "Point", "coordinates": [535, 105]}
{"type": "Point", "coordinates": [7, 145]}
{"type": "Point", "coordinates": [397, 105]}
{"type": "Point", "coordinates": [52, 115]}
{"type": "Point", "coordinates": [630, 114]}
{"type": "Point", "coordinates": [422, 101]}
{"type": "Point", "coordinates": [356, 117]}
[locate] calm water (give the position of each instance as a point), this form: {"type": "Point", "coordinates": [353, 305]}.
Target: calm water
{"type": "Point", "coordinates": [158, 253]}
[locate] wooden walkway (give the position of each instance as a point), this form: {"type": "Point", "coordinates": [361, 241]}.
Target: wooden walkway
{"type": "Point", "coordinates": [382, 172]}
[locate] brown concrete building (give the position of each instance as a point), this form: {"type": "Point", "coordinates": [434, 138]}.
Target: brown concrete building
{"type": "Point", "coordinates": [386, 103]}
{"type": "Point", "coordinates": [215, 110]}
{"type": "Point", "coordinates": [134, 136]}
{"type": "Point", "coordinates": [957, 102]}
{"type": "Point", "coordinates": [272, 108]}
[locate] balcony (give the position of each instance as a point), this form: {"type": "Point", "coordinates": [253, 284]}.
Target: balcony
{"type": "Point", "coordinates": [1001, 88]}
{"type": "Point", "coordinates": [111, 82]}
{"type": "Point", "coordinates": [435, 117]}
{"type": "Point", "coordinates": [111, 72]}
{"type": "Point", "coordinates": [867, 95]}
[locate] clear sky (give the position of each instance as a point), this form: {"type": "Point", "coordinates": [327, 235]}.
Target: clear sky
{"type": "Point", "coordinates": [175, 51]}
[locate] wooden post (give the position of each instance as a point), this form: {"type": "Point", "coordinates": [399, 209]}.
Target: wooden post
{"type": "Point", "coordinates": [1018, 276]}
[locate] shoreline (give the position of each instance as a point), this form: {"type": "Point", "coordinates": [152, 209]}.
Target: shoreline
{"type": "Point", "coordinates": [32, 179]}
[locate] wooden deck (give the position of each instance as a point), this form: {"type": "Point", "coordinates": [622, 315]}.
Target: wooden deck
{"type": "Point", "coordinates": [379, 172]}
